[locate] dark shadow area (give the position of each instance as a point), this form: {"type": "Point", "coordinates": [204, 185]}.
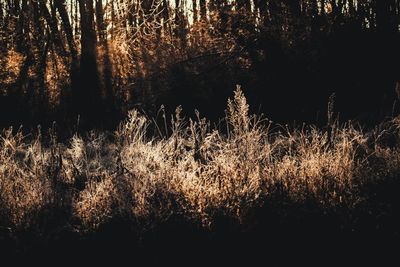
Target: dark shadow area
{"type": "Point", "coordinates": [278, 234]}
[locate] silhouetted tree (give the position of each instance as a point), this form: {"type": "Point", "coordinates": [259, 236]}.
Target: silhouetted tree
{"type": "Point", "coordinates": [87, 95]}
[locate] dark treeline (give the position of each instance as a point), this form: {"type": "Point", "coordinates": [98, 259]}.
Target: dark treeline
{"type": "Point", "coordinates": [99, 58]}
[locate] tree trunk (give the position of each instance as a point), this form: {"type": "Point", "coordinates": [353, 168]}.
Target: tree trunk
{"type": "Point", "coordinates": [167, 17]}
{"type": "Point", "coordinates": [66, 24]}
{"type": "Point", "coordinates": [62, 11]}
{"type": "Point", "coordinates": [1, 13]}
{"type": "Point", "coordinates": [42, 48]}
{"type": "Point", "coordinates": [180, 25]}
{"type": "Point", "coordinates": [107, 71]}
{"type": "Point", "coordinates": [195, 10]}
{"type": "Point", "coordinates": [203, 10]}
{"type": "Point", "coordinates": [87, 95]}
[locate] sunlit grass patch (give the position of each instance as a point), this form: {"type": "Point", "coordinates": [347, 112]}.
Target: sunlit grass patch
{"type": "Point", "coordinates": [195, 170]}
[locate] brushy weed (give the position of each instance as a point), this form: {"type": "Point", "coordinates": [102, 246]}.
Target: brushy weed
{"type": "Point", "coordinates": [197, 171]}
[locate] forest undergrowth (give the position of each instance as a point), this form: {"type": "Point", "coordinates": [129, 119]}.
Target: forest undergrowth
{"type": "Point", "coordinates": [146, 172]}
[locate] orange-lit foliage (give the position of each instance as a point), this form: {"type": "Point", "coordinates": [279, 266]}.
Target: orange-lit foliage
{"type": "Point", "coordinates": [12, 63]}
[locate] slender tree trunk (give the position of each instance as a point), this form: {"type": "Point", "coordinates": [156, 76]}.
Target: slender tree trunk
{"type": "Point", "coordinates": [20, 14]}
{"type": "Point", "coordinates": [42, 47]}
{"type": "Point", "coordinates": [68, 29]}
{"type": "Point", "coordinates": [75, 20]}
{"type": "Point", "coordinates": [101, 29]}
{"type": "Point", "coordinates": [1, 13]}
{"type": "Point", "coordinates": [22, 82]}
{"type": "Point", "coordinates": [195, 10]}
{"type": "Point", "coordinates": [167, 17]}
{"type": "Point", "coordinates": [180, 25]}
{"type": "Point", "coordinates": [60, 5]}
{"type": "Point", "coordinates": [87, 95]}
{"type": "Point", "coordinates": [203, 10]}
{"type": "Point", "coordinates": [51, 20]}
{"type": "Point", "coordinates": [107, 71]}
{"type": "Point", "coordinates": [112, 19]}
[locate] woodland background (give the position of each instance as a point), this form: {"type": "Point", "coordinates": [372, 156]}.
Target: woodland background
{"type": "Point", "coordinates": [99, 58]}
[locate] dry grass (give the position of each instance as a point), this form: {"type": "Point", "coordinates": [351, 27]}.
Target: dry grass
{"type": "Point", "coordinates": [196, 170]}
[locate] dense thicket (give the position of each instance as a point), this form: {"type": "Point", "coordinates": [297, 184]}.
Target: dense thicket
{"type": "Point", "coordinates": [99, 58]}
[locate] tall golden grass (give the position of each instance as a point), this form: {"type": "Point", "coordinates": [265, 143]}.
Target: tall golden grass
{"type": "Point", "coordinates": [195, 170]}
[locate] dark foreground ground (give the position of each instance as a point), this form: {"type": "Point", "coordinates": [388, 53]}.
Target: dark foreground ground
{"type": "Point", "coordinates": [277, 234]}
